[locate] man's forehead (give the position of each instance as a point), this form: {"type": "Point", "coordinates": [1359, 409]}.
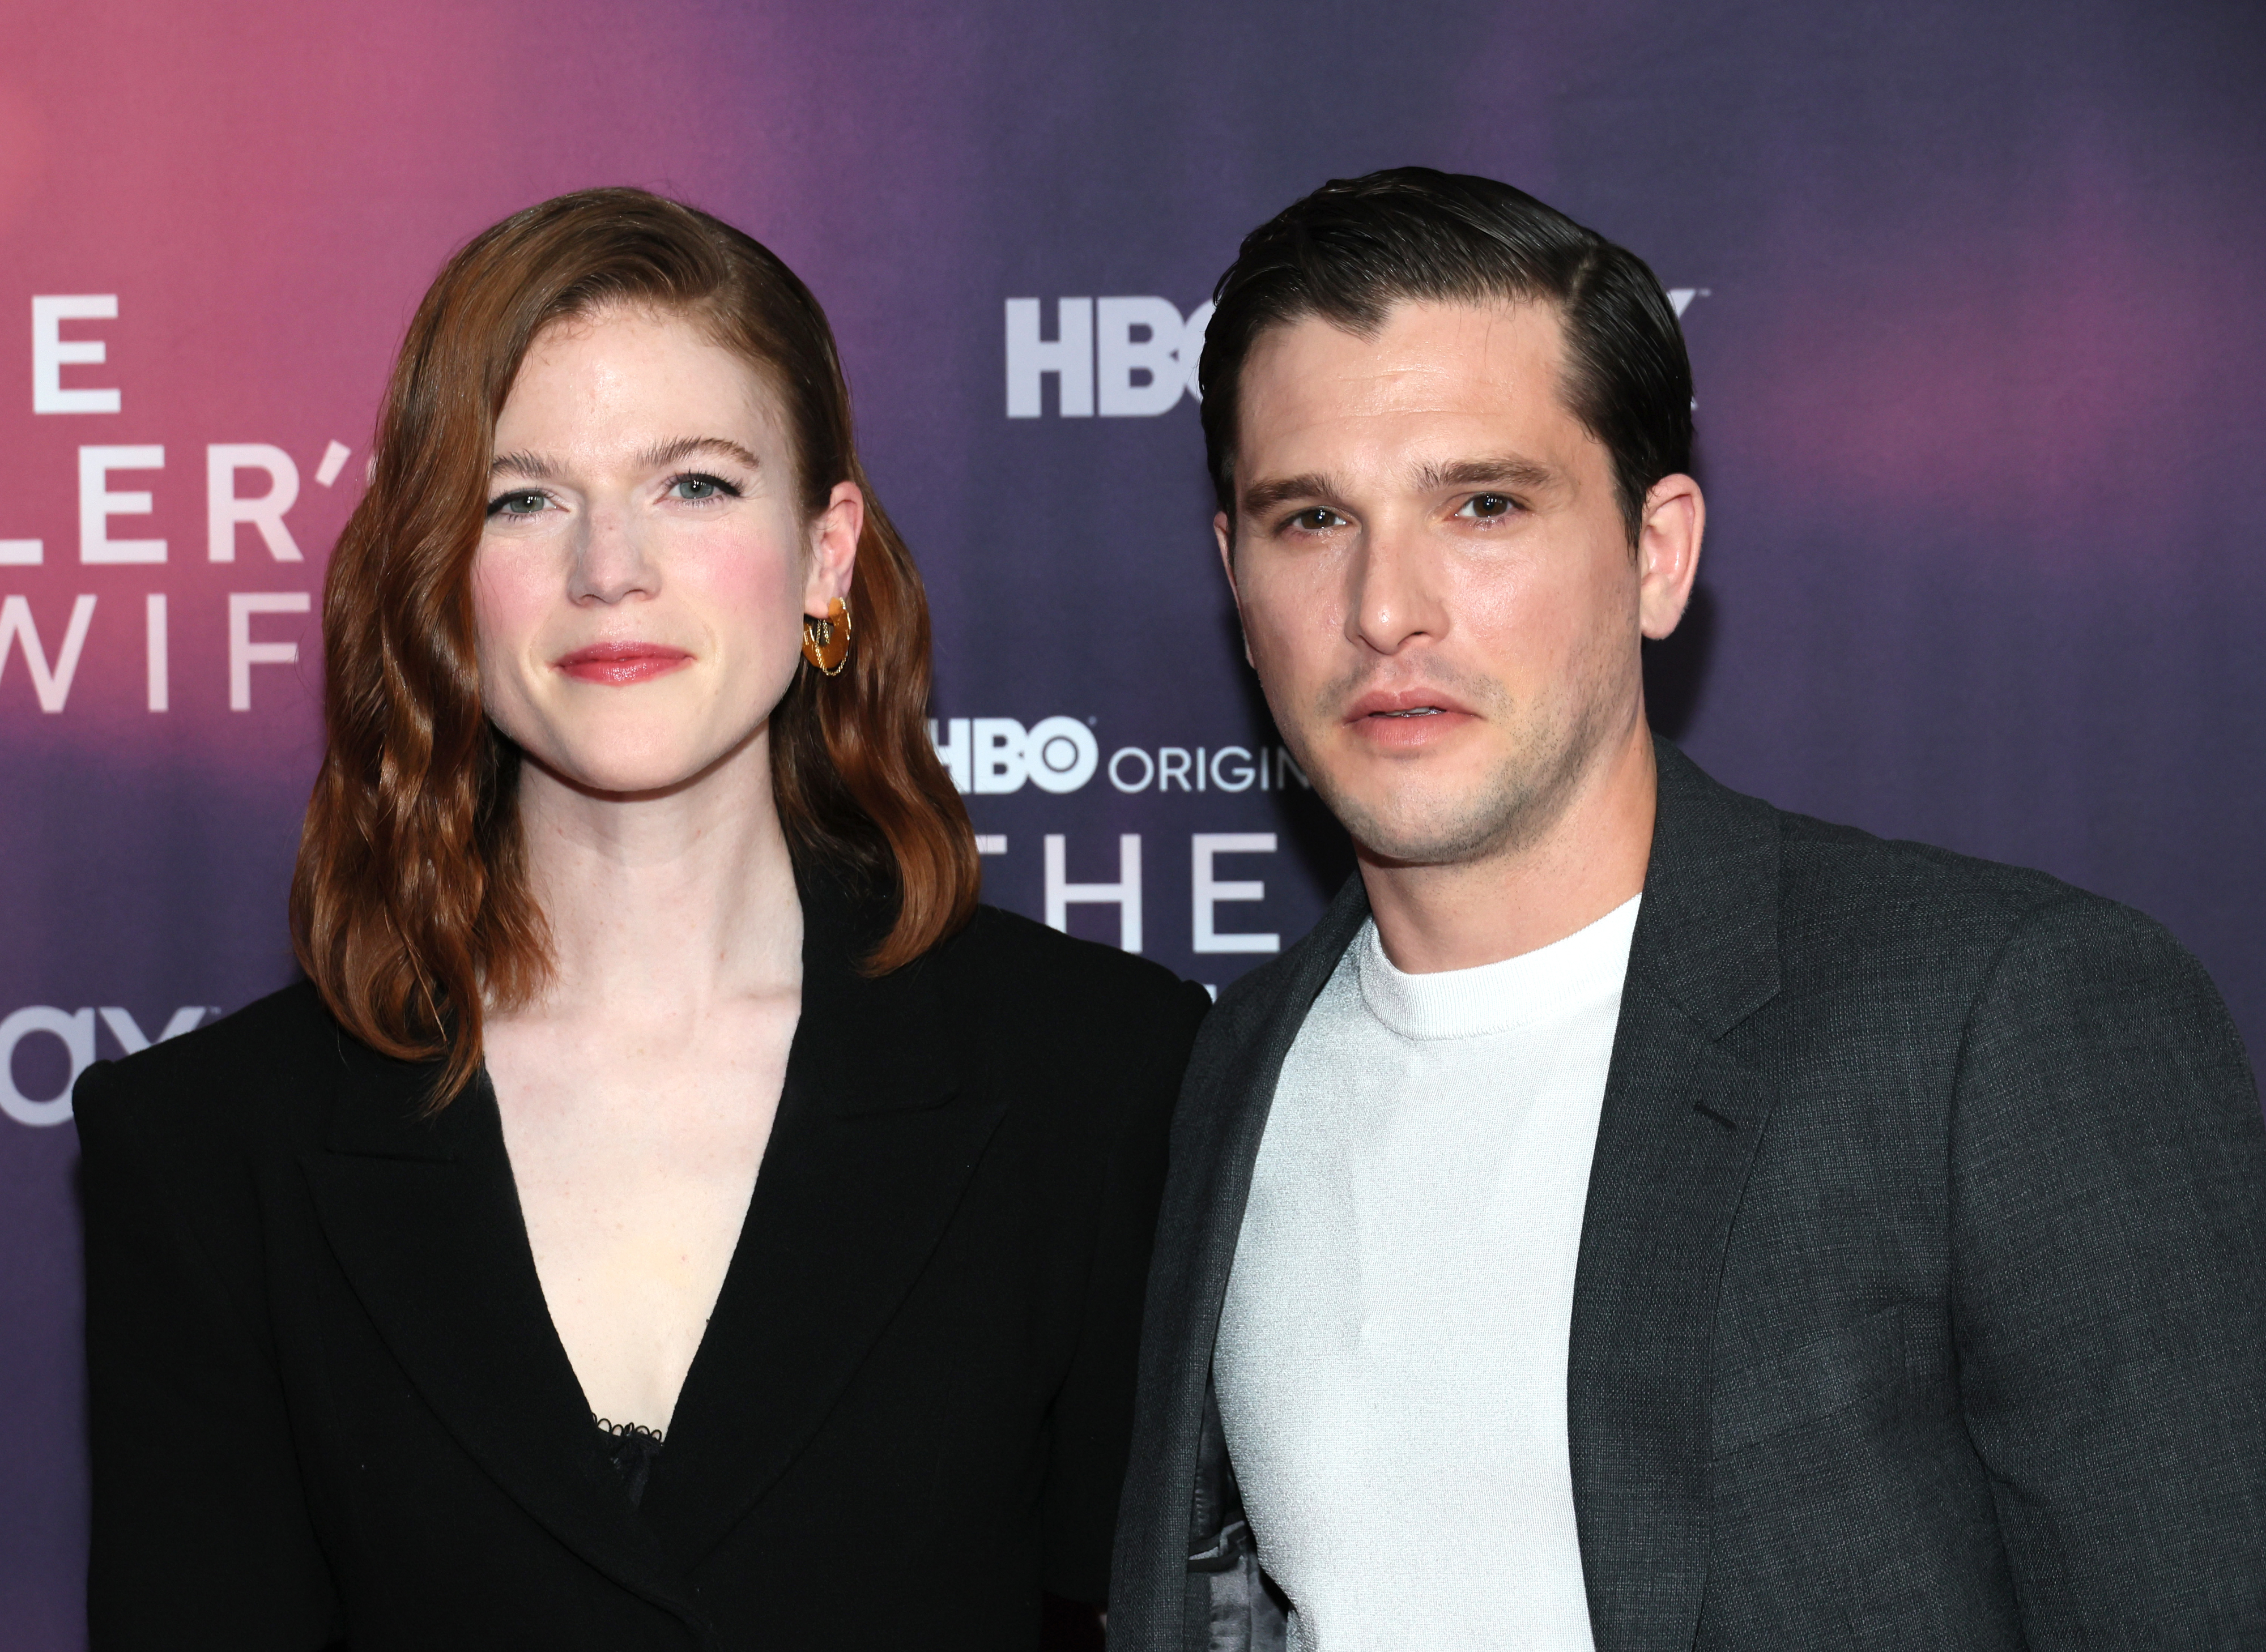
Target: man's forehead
{"type": "Point", "coordinates": [1434, 382]}
{"type": "Point", "coordinates": [1474, 359]}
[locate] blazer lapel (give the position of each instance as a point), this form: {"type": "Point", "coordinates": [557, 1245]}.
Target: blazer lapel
{"type": "Point", "coordinates": [1681, 1118]}
{"type": "Point", "coordinates": [1224, 1134]}
{"type": "Point", "coordinates": [871, 1150]}
{"type": "Point", "coordinates": [424, 1219]}
{"type": "Point", "coordinates": [1216, 1136]}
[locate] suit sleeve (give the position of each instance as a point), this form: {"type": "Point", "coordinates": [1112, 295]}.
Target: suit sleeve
{"type": "Point", "coordinates": [201, 1533]}
{"type": "Point", "coordinates": [2108, 1231]}
{"type": "Point", "coordinates": [1093, 1418]}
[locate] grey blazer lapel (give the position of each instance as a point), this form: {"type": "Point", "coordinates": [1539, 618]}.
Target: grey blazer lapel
{"type": "Point", "coordinates": [1223, 1113]}
{"type": "Point", "coordinates": [1681, 1120]}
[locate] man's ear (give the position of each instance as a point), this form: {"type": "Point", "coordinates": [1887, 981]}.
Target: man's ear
{"type": "Point", "coordinates": [1668, 552]}
{"type": "Point", "coordinates": [1222, 530]}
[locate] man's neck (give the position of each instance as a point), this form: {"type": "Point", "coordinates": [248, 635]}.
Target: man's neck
{"type": "Point", "coordinates": [1590, 860]}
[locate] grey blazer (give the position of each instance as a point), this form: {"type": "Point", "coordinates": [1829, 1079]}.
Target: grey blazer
{"type": "Point", "coordinates": [1921, 1299]}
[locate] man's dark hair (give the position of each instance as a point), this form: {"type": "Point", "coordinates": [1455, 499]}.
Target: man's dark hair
{"type": "Point", "coordinates": [1356, 247]}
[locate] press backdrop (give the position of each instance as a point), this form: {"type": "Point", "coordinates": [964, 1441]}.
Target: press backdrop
{"type": "Point", "coordinates": [1972, 293]}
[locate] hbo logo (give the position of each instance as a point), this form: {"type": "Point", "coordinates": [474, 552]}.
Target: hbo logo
{"type": "Point", "coordinates": [1124, 358]}
{"type": "Point", "coordinates": [994, 754]}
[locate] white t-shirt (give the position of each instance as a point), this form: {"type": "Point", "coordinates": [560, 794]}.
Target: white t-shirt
{"type": "Point", "coordinates": [1392, 1361]}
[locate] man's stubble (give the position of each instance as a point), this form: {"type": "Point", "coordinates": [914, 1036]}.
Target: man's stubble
{"type": "Point", "coordinates": [1553, 740]}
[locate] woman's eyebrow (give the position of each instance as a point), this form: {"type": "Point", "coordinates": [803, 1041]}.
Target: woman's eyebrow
{"type": "Point", "coordinates": [539, 469]}
{"type": "Point", "coordinates": [668, 452]}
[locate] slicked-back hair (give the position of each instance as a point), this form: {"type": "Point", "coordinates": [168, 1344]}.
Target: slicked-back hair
{"type": "Point", "coordinates": [1356, 247]}
{"type": "Point", "coordinates": [410, 904]}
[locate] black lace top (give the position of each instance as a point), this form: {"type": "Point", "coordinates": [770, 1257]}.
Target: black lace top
{"type": "Point", "coordinates": [631, 1448]}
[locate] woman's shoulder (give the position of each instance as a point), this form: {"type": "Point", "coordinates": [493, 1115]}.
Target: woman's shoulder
{"type": "Point", "coordinates": [1012, 958]}
{"type": "Point", "coordinates": [1094, 1038]}
{"type": "Point", "coordinates": [250, 1070]}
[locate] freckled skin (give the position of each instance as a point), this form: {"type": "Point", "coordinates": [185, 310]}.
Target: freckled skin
{"type": "Point", "coordinates": [616, 551]}
{"type": "Point", "coordinates": [1439, 595]}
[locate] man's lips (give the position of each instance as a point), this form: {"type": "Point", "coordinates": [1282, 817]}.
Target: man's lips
{"type": "Point", "coordinates": [1407, 720]}
{"type": "Point", "coordinates": [1405, 705]}
{"type": "Point", "coordinates": [621, 663]}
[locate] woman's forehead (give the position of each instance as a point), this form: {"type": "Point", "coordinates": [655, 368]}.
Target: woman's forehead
{"type": "Point", "coordinates": [633, 367]}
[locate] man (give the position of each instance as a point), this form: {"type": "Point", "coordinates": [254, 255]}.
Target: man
{"type": "Point", "coordinates": [1636, 1217]}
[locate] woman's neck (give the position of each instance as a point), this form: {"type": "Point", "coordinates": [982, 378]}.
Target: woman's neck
{"type": "Point", "coordinates": [663, 903]}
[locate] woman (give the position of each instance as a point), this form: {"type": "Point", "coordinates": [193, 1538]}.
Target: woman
{"type": "Point", "coordinates": [437, 1301]}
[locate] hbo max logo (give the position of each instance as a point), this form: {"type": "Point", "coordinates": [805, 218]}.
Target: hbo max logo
{"type": "Point", "coordinates": [996, 754]}
{"type": "Point", "coordinates": [1123, 358]}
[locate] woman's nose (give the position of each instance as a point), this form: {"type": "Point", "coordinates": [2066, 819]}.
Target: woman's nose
{"type": "Point", "coordinates": [610, 559]}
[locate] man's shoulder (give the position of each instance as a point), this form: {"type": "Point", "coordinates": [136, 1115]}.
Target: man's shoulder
{"type": "Point", "coordinates": [1944, 923]}
{"type": "Point", "coordinates": [1827, 872]}
{"type": "Point", "coordinates": [1259, 1014]}
{"type": "Point", "coordinates": [1297, 971]}
{"type": "Point", "coordinates": [1835, 869]}
{"type": "Point", "coordinates": [1838, 878]}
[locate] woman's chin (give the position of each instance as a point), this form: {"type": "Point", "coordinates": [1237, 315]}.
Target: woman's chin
{"type": "Point", "coordinates": [617, 778]}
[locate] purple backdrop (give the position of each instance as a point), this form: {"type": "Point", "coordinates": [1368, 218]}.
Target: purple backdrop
{"type": "Point", "coordinates": [1972, 297]}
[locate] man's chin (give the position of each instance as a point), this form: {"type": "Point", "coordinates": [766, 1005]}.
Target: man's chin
{"type": "Point", "coordinates": [1410, 852]}
{"type": "Point", "coordinates": [1436, 831]}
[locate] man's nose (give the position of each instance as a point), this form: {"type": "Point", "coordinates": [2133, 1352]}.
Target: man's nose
{"type": "Point", "coordinates": [610, 558]}
{"type": "Point", "coordinates": [1394, 595]}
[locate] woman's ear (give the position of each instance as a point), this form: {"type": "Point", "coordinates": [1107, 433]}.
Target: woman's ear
{"type": "Point", "coordinates": [834, 535]}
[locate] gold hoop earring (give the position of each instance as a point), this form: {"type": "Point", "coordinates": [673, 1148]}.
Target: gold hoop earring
{"type": "Point", "coordinates": [826, 643]}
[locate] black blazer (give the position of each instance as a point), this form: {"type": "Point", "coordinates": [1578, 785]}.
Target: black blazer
{"type": "Point", "coordinates": [1921, 1299]}
{"type": "Point", "coordinates": [328, 1405]}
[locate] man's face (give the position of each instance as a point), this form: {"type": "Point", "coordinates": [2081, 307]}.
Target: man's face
{"type": "Point", "coordinates": [1437, 583]}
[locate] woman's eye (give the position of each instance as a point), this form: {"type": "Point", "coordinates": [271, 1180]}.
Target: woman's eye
{"type": "Point", "coordinates": [696, 488]}
{"type": "Point", "coordinates": [521, 504]}
{"type": "Point", "coordinates": [1488, 504]}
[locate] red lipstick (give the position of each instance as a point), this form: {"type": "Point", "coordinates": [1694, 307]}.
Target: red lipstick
{"type": "Point", "coordinates": [621, 663]}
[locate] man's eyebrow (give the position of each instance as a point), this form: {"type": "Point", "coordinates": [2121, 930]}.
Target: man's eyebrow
{"type": "Point", "coordinates": [654, 458]}
{"type": "Point", "coordinates": [1264, 496]}
{"type": "Point", "coordinates": [1501, 470]}
{"type": "Point", "coordinates": [1505, 470]}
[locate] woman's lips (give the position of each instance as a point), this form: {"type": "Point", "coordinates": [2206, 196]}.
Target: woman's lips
{"type": "Point", "coordinates": [622, 663]}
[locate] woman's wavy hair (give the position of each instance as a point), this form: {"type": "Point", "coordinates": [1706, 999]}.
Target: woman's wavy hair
{"type": "Point", "coordinates": [410, 904]}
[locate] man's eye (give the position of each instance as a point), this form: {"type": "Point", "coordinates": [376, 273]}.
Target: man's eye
{"type": "Point", "coordinates": [1319, 519]}
{"type": "Point", "coordinates": [1488, 504]}
{"type": "Point", "coordinates": [524, 503]}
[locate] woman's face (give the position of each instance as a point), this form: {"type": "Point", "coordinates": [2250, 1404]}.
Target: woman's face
{"type": "Point", "coordinates": [645, 564]}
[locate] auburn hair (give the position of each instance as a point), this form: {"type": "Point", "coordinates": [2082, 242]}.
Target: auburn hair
{"type": "Point", "coordinates": [410, 903]}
